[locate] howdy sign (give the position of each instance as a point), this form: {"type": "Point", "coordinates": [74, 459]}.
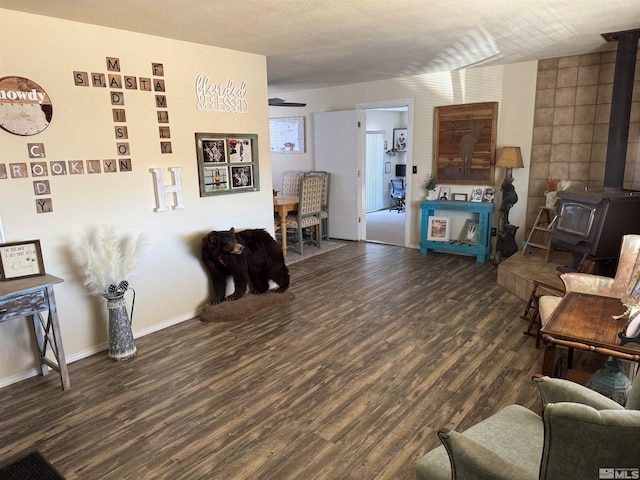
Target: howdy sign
{"type": "Point", "coordinates": [25, 108]}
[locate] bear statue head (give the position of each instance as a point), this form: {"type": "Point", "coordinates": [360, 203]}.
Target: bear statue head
{"type": "Point", "coordinates": [223, 242]}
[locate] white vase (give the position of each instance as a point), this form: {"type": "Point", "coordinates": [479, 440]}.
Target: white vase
{"type": "Point", "coordinates": [432, 195]}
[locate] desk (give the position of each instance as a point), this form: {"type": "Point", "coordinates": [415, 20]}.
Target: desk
{"type": "Point", "coordinates": [29, 297]}
{"type": "Point", "coordinates": [282, 205]}
{"type": "Point", "coordinates": [584, 322]}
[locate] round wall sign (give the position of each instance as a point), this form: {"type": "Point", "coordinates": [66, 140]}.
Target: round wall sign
{"type": "Point", "coordinates": [25, 108]}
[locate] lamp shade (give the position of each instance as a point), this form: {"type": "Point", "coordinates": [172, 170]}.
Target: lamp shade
{"type": "Point", "coordinates": [510, 157]}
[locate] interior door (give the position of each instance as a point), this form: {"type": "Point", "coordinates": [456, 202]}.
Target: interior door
{"type": "Point", "coordinates": [335, 139]}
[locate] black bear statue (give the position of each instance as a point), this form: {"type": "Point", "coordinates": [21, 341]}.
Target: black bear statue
{"type": "Point", "coordinates": [252, 257]}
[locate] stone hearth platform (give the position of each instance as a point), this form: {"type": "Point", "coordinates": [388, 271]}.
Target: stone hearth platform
{"type": "Point", "coordinates": [517, 273]}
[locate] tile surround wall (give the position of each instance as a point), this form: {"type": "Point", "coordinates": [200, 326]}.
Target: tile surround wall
{"type": "Point", "coordinates": [571, 125]}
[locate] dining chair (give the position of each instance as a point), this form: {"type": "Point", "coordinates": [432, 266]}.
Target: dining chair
{"type": "Point", "coordinates": [291, 182]}
{"type": "Point", "coordinates": [309, 208]}
{"type": "Point", "coordinates": [324, 213]}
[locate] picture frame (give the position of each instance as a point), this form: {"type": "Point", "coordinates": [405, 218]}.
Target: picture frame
{"type": "Point", "coordinates": [21, 260]}
{"type": "Point", "coordinates": [469, 234]}
{"type": "Point", "coordinates": [438, 229]}
{"type": "Point", "coordinates": [286, 135]}
{"type": "Point", "coordinates": [460, 197]}
{"type": "Point", "coordinates": [476, 194]}
{"type": "Point", "coordinates": [227, 163]}
{"type": "Point", "coordinates": [444, 193]}
{"type": "Point", "coordinates": [400, 139]}
{"type": "Point", "coordinates": [489, 195]}
{"type": "Point", "coordinates": [465, 143]}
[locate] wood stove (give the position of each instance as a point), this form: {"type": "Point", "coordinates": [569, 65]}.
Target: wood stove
{"type": "Point", "coordinates": [593, 222]}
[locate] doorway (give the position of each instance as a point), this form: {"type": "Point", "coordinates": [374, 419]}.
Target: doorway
{"type": "Point", "coordinates": [382, 223]}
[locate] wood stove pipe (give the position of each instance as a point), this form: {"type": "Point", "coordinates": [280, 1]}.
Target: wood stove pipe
{"type": "Point", "coordinates": [620, 107]}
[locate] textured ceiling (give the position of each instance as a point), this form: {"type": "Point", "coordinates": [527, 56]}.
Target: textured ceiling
{"type": "Point", "coordinates": [319, 43]}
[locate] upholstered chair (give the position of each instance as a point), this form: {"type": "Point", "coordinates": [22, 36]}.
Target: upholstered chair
{"type": "Point", "coordinates": [579, 433]}
{"type": "Point", "coordinates": [597, 284]}
{"type": "Point", "coordinates": [309, 208]}
{"type": "Point", "coordinates": [291, 182]}
{"type": "Point", "coordinates": [324, 213]}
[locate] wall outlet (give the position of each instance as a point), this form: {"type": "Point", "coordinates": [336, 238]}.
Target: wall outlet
{"type": "Point", "coordinates": [494, 232]}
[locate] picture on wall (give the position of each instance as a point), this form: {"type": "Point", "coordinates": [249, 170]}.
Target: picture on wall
{"type": "Point", "coordinates": [286, 135]}
{"type": "Point", "coordinates": [400, 139]}
{"type": "Point", "coordinates": [240, 150]}
{"type": "Point", "coordinates": [227, 163]}
{"type": "Point", "coordinates": [214, 151]}
{"type": "Point", "coordinates": [465, 143]}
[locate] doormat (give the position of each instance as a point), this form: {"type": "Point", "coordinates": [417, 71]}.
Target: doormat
{"type": "Point", "coordinates": [32, 466]}
{"type": "Point", "coordinates": [241, 309]}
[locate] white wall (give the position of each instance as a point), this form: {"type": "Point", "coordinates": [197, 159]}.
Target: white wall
{"type": "Point", "coordinates": [513, 86]}
{"type": "Point", "coordinates": [170, 282]}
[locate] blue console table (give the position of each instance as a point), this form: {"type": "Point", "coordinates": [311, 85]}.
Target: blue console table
{"type": "Point", "coordinates": [482, 250]}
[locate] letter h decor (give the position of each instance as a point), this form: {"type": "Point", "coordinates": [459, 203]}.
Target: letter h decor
{"type": "Point", "coordinates": [162, 190]}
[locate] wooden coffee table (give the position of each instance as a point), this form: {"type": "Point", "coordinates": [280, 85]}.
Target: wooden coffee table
{"type": "Point", "coordinates": [584, 322]}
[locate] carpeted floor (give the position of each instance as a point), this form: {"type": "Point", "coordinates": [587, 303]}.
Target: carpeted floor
{"type": "Point", "coordinates": [386, 226]}
{"type": "Point", "coordinates": [32, 466]}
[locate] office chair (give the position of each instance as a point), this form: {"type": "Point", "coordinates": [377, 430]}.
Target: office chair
{"type": "Point", "coordinates": [397, 194]}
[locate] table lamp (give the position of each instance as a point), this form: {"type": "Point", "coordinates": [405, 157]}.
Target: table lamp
{"type": "Point", "coordinates": [510, 158]}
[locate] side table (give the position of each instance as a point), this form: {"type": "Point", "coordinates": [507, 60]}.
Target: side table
{"type": "Point", "coordinates": [31, 297]}
{"type": "Point", "coordinates": [482, 250]}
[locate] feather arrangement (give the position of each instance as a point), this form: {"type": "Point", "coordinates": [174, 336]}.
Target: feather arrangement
{"type": "Point", "coordinates": [107, 260]}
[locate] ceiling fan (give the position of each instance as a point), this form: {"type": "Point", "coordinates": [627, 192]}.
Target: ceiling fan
{"type": "Point", "coordinates": [279, 102]}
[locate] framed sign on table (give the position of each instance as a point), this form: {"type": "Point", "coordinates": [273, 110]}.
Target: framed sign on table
{"type": "Point", "coordinates": [21, 260]}
{"type": "Point", "coordinates": [227, 163]}
{"type": "Point", "coordinates": [465, 143]}
{"type": "Point", "coordinates": [438, 229]}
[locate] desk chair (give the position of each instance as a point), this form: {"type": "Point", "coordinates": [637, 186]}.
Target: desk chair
{"type": "Point", "coordinates": [397, 194]}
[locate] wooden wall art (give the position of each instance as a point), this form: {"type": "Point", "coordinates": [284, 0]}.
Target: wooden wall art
{"type": "Point", "coordinates": [25, 108]}
{"type": "Point", "coordinates": [465, 143]}
{"type": "Point", "coordinates": [227, 163]}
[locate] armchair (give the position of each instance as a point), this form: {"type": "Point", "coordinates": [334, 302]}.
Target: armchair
{"type": "Point", "coordinates": [579, 433]}
{"type": "Point", "coordinates": [596, 284]}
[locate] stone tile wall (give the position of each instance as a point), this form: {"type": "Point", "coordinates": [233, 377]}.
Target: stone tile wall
{"type": "Point", "coordinates": [571, 125]}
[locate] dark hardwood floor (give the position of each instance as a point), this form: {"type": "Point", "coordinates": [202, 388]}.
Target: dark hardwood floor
{"type": "Point", "coordinates": [350, 380]}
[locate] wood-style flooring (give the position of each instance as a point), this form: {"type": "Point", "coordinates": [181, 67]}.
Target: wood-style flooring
{"type": "Point", "coordinates": [350, 380]}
